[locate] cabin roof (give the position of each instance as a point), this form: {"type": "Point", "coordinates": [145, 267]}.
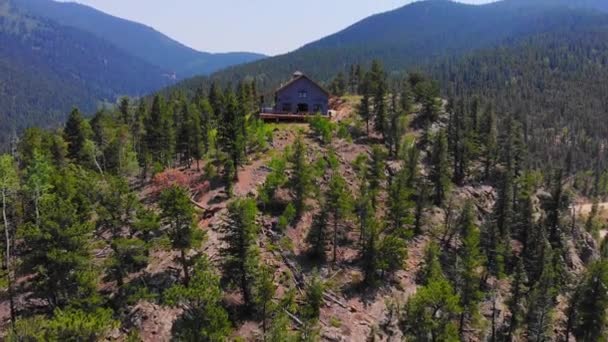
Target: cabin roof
{"type": "Point", "coordinates": [298, 75]}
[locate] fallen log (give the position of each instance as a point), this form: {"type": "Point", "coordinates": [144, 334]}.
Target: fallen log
{"type": "Point", "coordinates": [334, 300]}
{"type": "Point", "coordinates": [294, 318]}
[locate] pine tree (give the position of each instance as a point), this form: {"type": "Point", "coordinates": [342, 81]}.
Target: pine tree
{"type": "Point", "coordinates": [363, 209]}
{"type": "Point", "coordinates": [117, 214]}
{"type": "Point", "coordinates": [279, 330]}
{"type": "Point", "coordinates": [400, 204]}
{"type": "Point", "coordinates": [204, 318]}
{"type": "Point", "coordinates": [124, 107]}
{"type": "Point", "coordinates": [229, 175]}
{"type": "Point", "coordinates": [313, 298]}
{"type": "Point", "coordinates": [392, 254]}
{"type": "Point", "coordinates": [196, 140]}
{"type": "Point", "coordinates": [489, 141]}
{"type": "Point", "coordinates": [216, 100]}
{"type": "Point", "coordinates": [338, 85]}
{"type": "Point", "coordinates": [360, 75]}
{"type": "Point", "coordinates": [138, 134]}
{"type": "Point", "coordinates": [376, 173]}
{"type": "Point", "coordinates": [495, 251]}
{"type": "Point", "coordinates": [432, 267]}
{"type": "Point", "coordinates": [542, 300]}
{"type": "Point", "coordinates": [554, 212]}
{"type": "Point", "coordinates": [339, 205]}
{"type": "Point", "coordinates": [369, 253]}
{"type": "Point", "coordinates": [245, 107]}
{"type": "Point", "coordinates": [516, 301]}
{"type": "Point", "coordinates": [427, 93]}
{"type": "Point", "coordinates": [241, 256]}
{"type": "Point", "coordinates": [353, 80]}
{"type": "Point", "coordinates": [406, 97]}
{"type": "Point", "coordinates": [318, 234]}
{"type": "Point", "coordinates": [379, 86]}
{"type": "Point", "coordinates": [206, 121]}
{"type": "Point", "coordinates": [422, 199]}
{"type": "Point", "coordinates": [469, 261]}
{"type": "Point", "coordinates": [439, 174]}
{"type": "Point", "coordinates": [301, 180]}
{"type": "Point", "coordinates": [394, 130]}
{"type": "Point", "coordinates": [184, 134]}
{"type": "Point", "coordinates": [503, 209]}
{"type": "Point", "coordinates": [265, 290]}
{"type": "Point", "coordinates": [75, 134]}
{"type": "Point", "coordinates": [59, 250]}
{"type": "Point", "coordinates": [430, 315]}
{"type": "Point", "coordinates": [533, 241]}
{"type": "Point", "coordinates": [364, 105]}
{"type": "Point", "coordinates": [156, 137]}
{"type": "Point", "coordinates": [590, 310]}
{"type": "Point", "coordinates": [230, 131]}
{"type": "Point", "coordinates": [178, 214]}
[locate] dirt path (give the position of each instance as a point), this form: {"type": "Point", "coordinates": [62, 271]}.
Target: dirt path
{"type": "Point", "coordinates": [585, 209]}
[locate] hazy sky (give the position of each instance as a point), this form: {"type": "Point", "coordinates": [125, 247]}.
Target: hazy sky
{"type": "Point", "coordinates": [267, 26]}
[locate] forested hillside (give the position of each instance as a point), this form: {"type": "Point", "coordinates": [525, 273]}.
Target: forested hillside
{"type": "Point", "coordinates": [192, 220]}
{"type": "Point", "coordinates": [135, 39]}
{"type": "Point", "coordinates": [553, 83]}
{"type": "Point", "coordinates": [47, 69]}
{"type": "Point", "coordinates": [421, 33]}
{"type": "Point", "coordinates": [456, 194]}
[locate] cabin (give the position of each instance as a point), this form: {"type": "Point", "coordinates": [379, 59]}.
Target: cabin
{"type": "Point", "coordinates": [297, 99]}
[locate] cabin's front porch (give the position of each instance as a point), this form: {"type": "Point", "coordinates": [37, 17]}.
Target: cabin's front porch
{"type": "Point", "coordinates": [270, 114]}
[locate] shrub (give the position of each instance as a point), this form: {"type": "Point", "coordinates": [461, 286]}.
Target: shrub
{"type": "Point", "coordinates": [168, 179]}
{"type": "Point", "coordinates": [323, 128]}
{"type": "Point", "coordinates": [289, 215]}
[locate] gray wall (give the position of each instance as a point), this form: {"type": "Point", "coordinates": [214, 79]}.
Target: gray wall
{"type": "Point", "coordinates": [291, 95]}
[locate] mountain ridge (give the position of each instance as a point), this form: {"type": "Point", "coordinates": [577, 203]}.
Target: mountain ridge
{"type": "Point", "coordinates": [46, 69]}
{"type": "Point", "coordinates": [413, 35]}
{"type": "Point", "coordinates": [142, 41]}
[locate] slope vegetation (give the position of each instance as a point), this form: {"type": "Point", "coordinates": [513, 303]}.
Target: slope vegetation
{"type": "Point", "coordinates": [553, 83]}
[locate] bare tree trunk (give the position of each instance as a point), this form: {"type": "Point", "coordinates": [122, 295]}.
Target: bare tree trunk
{"type": "Point", "coordinates": [9, 275]}
{"type": "Point", "coordinates": [494, 318]}
{"type": "Point", "coordinates": [37, 206]}
{"type": "Point", "coordinates": [335, 239]}
{"type": "Point", "coordinates": [185, 267]}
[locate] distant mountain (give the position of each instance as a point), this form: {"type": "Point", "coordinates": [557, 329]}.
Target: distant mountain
{"type": "Point", "coordinates": [600, 5]}
{"type": "Point", "coordinates": [136, 39]}
{"type": "Point", "coordinates": [46, 68]}
{"type": "Point", "coordinates": [418, 34]}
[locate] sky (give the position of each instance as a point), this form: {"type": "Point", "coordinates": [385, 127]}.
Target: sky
{"type": "Point", "coordinates": [266, 26]}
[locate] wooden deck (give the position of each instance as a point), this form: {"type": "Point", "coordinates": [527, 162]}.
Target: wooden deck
{"type": "Point", "coordinates": [293, 117]}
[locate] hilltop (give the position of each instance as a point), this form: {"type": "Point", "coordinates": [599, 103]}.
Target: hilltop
{"type": "Point", "coordinates": [188, 219]}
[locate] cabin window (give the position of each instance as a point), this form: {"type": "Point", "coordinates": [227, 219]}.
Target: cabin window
{"type": "Point", "coordinates": [317, 108]}
{"type": "Point", "coordinates": [286, 107]}
{"type": "Point", "coordinates": [303, 94]}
